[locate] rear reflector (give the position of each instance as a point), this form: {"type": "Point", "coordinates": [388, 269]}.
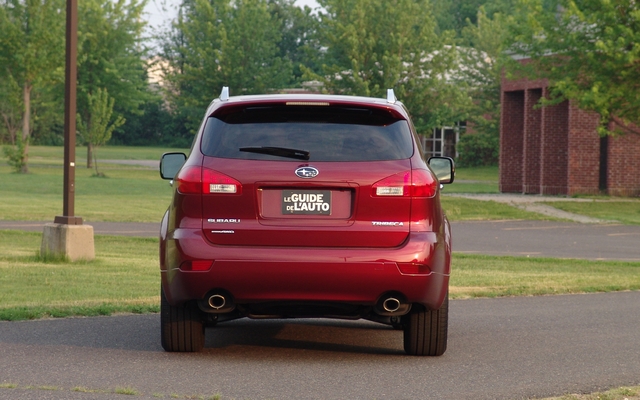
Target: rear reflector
{"type": "Point", "coordinates": [414, 269]}
{"type": "Point", "coordinates": [196, 265]}
{"type": "Point", "coordinates": [414, 183]}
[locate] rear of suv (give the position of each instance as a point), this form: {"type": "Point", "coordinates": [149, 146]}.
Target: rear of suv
{"type": "Point", "coordinates": [305, 206]}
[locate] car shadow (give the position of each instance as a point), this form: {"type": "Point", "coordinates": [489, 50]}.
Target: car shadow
{"type": "Point", "coordinates": [142, 333]}
{"type": "Point", "coordinates": [305, 334]}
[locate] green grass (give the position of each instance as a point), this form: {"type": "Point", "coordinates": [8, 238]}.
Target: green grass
{"type": "Point", "coordinates": [55, 154]}
{"type": "Point", "coordinates": [627, 212]}
{"type": "Point", "coordinates": [622, 393]}
{"type": "Point", "coordinates": [489, 174]}
{"type": "Point", "coordinates": [119, 390]}
{"type": "Point", "coordinates": [460, 209]}
{"type": "Point", "coordinates": [474, 180]}
{"type": "Point", "coordinates": [125, 278]}
{"type": "Point", "coordinates": [127, 194]}
{"type": "Point", "coordinates": [489, 276]}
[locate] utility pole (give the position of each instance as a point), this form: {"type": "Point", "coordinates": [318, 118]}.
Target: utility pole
{"type": "Point", "coordinates": [67, 236]}
{"type": "Point", "coordinates": [71, 74]}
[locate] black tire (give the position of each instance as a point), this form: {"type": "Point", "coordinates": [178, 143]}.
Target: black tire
{"type": "Point", "coordinates": [425, 331]}
{"type": "Point", "coordinates": [181, 326]}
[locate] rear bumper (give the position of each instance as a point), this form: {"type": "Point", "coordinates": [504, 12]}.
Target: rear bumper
{"type": "Point", "coordinates": [265, 274]}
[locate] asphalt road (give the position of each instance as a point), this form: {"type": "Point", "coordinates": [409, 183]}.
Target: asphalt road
{"type": "Point", "coordinates": [548, 239]}
{"type": "Point", "coordinates": [515, 238]}
{"type": "Point", "coordinates": [506, 348]}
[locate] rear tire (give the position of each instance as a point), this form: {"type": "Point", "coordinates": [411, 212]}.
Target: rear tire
{"type": "Point", "coordinates": [182, 328]}
{"type": "Point", "coordinates": [425, 331]}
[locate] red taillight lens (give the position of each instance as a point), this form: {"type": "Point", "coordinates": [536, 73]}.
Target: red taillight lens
{"type": "Point", "coordinates": [189, 180]}
{"type": "Point", "coordinates": [423, 183]}
{"type": "Point", "coordinates": [415, 183]}
{"type": "Point", "coordinates": [196, 180]}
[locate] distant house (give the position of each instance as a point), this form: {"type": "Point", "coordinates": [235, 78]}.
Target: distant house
{"type": "Point", "coordinates": [556, 149]}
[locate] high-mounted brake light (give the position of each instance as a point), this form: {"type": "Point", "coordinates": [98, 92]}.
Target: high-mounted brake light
{"type": "Point", "coordinates": [415, 183]}
{"type": "Point", "coordinates": [197, 180]}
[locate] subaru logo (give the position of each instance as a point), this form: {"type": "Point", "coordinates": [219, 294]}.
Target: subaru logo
{"type": "Point", "coordinates": [307, 172]}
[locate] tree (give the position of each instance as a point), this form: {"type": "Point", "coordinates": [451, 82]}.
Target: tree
{"type": "Point", "coordinates": [31, 54]}
{"type": "Point", "coordinates": [376, 45]}
{"type": "Point", "coordinates": [456, 15]}
{"type": "Point", "coordinates": [299, 43]}
{"type": "Point", "coordinates": [217, 43]}
{"type": "Point", "coordinates": [589, 50]}
{"type": "Point", "coordinates": [482, 60]}
{"type": "Point", "coordinates": [10, 109]}
{"type": "Point", "coordinates": [99, 125]}
{"type": "Point", "coordinates": [110, 58]}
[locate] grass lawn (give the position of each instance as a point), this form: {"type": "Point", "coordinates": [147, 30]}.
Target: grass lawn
{"type": "Point", "coordinates": [626, 211]}
{"type": "Point", "coordinates": [489, 276]}
{"type": "Point", "coordinates": [55, 154]}
{"type": "Point", "coordinates": [474, 180]}
{"type": "Point", "coordinates": [125, 278]}
{"type": "Point", "coordinates": [128, 193]}
{"type": "Point", "coordinates": [460, 209]}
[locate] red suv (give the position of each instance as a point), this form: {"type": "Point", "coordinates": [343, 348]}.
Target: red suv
{"type": "Point", "coordinates": [302, 206]}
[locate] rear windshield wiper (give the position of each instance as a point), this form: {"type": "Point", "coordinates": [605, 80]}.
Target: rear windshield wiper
{"type": "Point", "coordinates": [278, 151]}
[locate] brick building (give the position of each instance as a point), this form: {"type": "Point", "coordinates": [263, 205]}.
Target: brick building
{"type": "Point", "coordinates": [556, 150]}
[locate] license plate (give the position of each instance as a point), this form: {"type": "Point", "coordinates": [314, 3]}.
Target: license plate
{"type": "Point", "coordinates": [306, 202]}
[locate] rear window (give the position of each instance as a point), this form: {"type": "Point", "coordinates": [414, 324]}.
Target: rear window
{"type": "Point", "coordinates": [327, 133]}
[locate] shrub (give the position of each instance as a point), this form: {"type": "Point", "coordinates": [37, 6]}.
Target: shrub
{"type": "Point", "coordinates": [480, 149]}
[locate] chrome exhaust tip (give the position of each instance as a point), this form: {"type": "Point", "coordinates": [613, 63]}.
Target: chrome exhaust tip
{"type": "Point", "coordinates": [391, 304]}
{"type": "Point", "coordinates": [217, 301]}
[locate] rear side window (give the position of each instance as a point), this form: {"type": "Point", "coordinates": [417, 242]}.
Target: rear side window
{"type": "Point", "coordinates": [327, 133]}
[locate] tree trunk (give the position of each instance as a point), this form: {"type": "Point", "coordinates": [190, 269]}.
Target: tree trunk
{"type": "Point", "coordinates": [26, 119]}
{"type": "Point", "coordinates": [89, 155]}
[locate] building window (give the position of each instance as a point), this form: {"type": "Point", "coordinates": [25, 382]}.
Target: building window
{"type": "Point", "coordinates": [442, 141]}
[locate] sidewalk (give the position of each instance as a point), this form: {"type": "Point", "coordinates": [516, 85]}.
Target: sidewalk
{"type": "Point", "coordinates": [533, 203]}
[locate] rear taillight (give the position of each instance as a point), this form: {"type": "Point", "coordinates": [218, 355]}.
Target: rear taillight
{"type": "Point", "coordinates": [197, 180]}
{"type": "Point", "coordinates": [414, 183]}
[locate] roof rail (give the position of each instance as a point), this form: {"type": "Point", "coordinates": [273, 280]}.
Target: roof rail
{"type": "Point", "coordinates": [391, 97]}
{"type": "Point", "coordinates": [224, 95]}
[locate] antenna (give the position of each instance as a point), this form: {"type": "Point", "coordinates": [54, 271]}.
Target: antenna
{"type": "Point", "coordinates": [224, 95]}
{"type": "Point", "coordinates": [391, 97]}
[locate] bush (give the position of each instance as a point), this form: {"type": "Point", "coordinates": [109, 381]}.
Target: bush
{"type": "Point", "coordinates": [480, 149]}
{"type": "Point", "coordinates": [16, 156]}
